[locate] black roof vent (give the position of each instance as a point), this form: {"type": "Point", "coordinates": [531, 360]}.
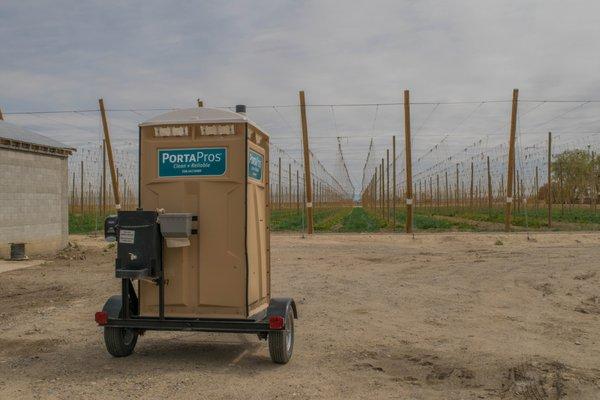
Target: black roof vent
{"type": "Point", "coordinates": [240, 108]}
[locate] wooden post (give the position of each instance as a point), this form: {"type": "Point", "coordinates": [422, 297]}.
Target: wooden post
{"type": "Point", "coordinates": [90, 200]}
{"type": "Point", "coordinates": [297, 191]}
{"type": "Point", "coordinates": [457, 191]}
{"type": "Point", "coordinates": [303, 198]}
{"type": "Point", "coordinates": [447, 190]}
{"type": "Point", "coordinates": [430, 191]}
{"type": "Point", "coordinates": [387, 190]}
{"type": "Point", "coordinates": [522, 198]}
{"type": "Point", "coordinates": [73, 195]}
{"type": "Point", "coordinates": [290, 185]}
{"type": "Point", "coordinates": [81, 192]}
{"type": "Point", "coordinates": [593, 187]}
{"type": "Point", "coordinates": [407, 150]}
{"type": "Point", "coordinates": [382, 175]}
{"type": "Point", "coordinates": [550, 194]}
{"type": "Point", "coordinates": [109, 153]}
{"type": "Point", "coordinates": [394, 181]}
{"type": "Point", "coordinates": [511, 162]}
{"type": "Point", "coordinates": [103, 189]}
{"type": "Point", "coordinates": [279, 185]}
{"type": "Point", "coordinates": [517, 192]}
{"type": "Point", "coordinates": [489, 184]}
{"type": "Point", "coordinates": [307, 175]}
{"type": "Point", "coordinates": [438, 193]}
{"type": "Point", "coordinates": [537, 188]}
{"type": "Point", "coordinates": [471, 189]}
{"type": "Point", "coordinates": [370, 193]}
{"type": "Point", "coordinates": [375, 189]}
{"type": "Point", "coordinates": [1, 115]}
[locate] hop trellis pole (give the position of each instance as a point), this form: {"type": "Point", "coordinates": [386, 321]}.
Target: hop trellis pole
{"type": "Point", "coordinates": [550, 195]}
{"type": "Point", "coordinates": [511, 161]}
{"type": "Point", "coordinates": [408, 156]}
{"type": "Point", "coordinates": [307, 174]}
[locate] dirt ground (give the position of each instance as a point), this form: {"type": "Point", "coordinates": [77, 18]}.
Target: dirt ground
{"type": "Point", "coordinates": [437, 316]}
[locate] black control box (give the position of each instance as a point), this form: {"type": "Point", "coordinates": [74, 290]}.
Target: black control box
{"type": "Point", "coordinates": [139, 245]}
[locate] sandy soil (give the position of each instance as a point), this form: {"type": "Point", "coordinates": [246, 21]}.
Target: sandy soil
{"type": "Point", "coordinates": [440, 316]}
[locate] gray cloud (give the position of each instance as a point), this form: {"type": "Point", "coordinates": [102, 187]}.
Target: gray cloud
{"type": "Point", "coordinates": [66, 54]}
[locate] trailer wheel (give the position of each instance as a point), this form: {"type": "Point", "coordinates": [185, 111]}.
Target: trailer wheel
{"type": "Point", "coordinates": [120, 342]}
{"type": "Point", "coordinates": [281, 343]}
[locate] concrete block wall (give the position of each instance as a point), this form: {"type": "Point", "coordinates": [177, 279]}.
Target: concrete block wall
{"type": "Point", "coordinates": [33, 202]}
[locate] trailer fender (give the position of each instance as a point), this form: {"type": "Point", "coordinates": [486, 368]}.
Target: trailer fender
{"type": "Point", "coordinates": [113, 306]}
{"type": "Point", "coordinates": [280, 305]}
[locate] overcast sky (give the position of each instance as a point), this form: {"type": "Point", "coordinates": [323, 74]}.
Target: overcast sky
{"type": "Point", "coordinates": [59, 55]}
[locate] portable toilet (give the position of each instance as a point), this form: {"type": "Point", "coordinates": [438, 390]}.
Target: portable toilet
{"type": "Point", "coordinates": [202, 256]}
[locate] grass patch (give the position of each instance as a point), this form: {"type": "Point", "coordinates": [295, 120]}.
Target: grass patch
{"type": "Point", "coordinates": [325, 219]}
{"type": "Point", "coordinates": [330, 220]}
{"type": "Point", "coordinates": [287, 220]}
{"type": "Point", "coordinates": [85, 223]}
{"type": "Point", "coordinates": [425, 222]}
{"type": "Point", "coordinates": [338, 219]}
{"type": "Point", "coordinates": [584, 218]}
{"type": "Point", "coordinates": [360, 220]}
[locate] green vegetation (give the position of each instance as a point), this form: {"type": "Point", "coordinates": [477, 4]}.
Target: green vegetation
{"type": "Point", "coordinates": [287, 220]}
{"type": "Point", "coordinates": [85, 223]}
{"type": "Point", "coordinates": [426, 222]}
{"type": "Point", "coordinates": [339, 219]}
{"type": "Point", "coordinates": [429, 222]}
{"type": "Point", "coordinates": [325, 219]}
{"type": "Point", "coordinates": [578, 217]}
{"type": "Point", "coordinates": [576, 175]}
{"type": "Point", "coordinates": [360, 220]}
{"type": "Point", "coordinates": [330, 220]}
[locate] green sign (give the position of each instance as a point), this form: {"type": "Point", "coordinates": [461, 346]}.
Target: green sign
{"type": "Point", "coordinates": [255, 165]}
{"type": "Point", "coordinates": [198, 161]}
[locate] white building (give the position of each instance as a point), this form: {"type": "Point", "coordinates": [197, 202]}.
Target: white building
{"type": "Point", "coordinates": [33, 191]}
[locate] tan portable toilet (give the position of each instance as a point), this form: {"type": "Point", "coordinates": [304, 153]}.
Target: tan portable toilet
{"type": "Point", "coordinates": [204, 185]}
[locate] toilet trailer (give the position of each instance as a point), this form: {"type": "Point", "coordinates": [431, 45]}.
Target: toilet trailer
{"type": "Point", "coordinates": [196, 253]}
{"type": "Point", "coordinates": [213, 164]}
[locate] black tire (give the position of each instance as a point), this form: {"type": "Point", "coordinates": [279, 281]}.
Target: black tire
{"type": "Point", "coordinates": [281, 343]}
{"type": "Point", "coordinates": [120, 342]}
